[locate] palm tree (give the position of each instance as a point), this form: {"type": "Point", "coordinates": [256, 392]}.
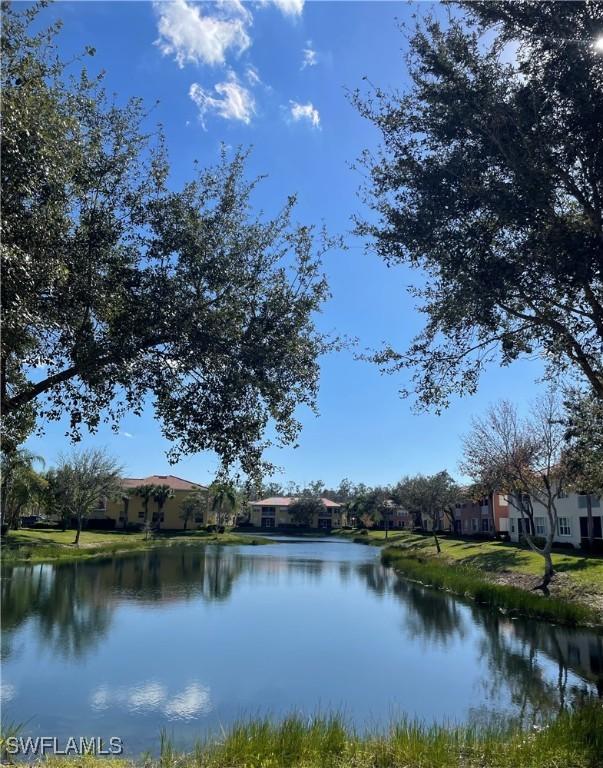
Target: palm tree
{"type": "Point", "coordinates": [161, 493]}
{"type": "Point", "coordinates": [146, 493]}
{"type": "Point", "coordinates": [20, 483]}
{"type": "Point", "coordinates": [224, 497]}
{"type": "Point", "coordinates": [125, 497]}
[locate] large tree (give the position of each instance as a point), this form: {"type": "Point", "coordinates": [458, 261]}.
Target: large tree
{"type": "Point", "coordinates": [524, 458]}
{"type": "Point", "coordinates": [303, 509]}
{"type": "Point", "coordinates": [429, 496]}
{"type": "Point", "coordinates": [583, 455]}
{"type": "Point", "coordinates": [85, 478]}
{"type": "Point", "coordinates": [118, 291]}
{"type": "Point", "coordinates": [490, 180]}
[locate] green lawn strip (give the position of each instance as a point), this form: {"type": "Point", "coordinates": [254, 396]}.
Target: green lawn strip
{"type": "Point", "coordinates": [470, 582]}
{"type": "Point", "coordinates": [584, 571]}
{"type": "Point", "coordinates": [573, 740]}
{"type": "Point", "coordinates": [41, 545]}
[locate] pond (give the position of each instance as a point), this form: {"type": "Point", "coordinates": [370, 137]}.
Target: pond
{"type": "Point", "coordinates": [190, 638]}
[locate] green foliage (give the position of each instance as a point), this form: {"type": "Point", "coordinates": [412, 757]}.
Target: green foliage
{"type": "Point", "coordinates": [84, 478]}
{"type": "Point", "coordinates": [21, 484]}
{"type": "Point", "coordinates": [584, 436]}
{"type": "Point", "coordinates": [303, 509]}
{"type": "Point", "coordinates": [574, 738]}
{"type": "Point", "coordinates": [161, 493]}
{"type": "Point", "coordinates": [123, 290]}
{"type": "Point", "coordinates": [224, 500]}
{"type": "Point", "coordinates": [490, 180]}
{"type": "Point", "coordinates": [429, 495]}
{"type": "Point", "coordinates": [193, 505]}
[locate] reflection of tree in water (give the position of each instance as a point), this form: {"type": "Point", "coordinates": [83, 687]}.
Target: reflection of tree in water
{"type": "Point", "coordinates": [513, 650]}
{"type": "Point", "coordinates": [72, 603]}
{"type": "Point", "coordinates": [429, 614]}
{"type": "Point", "coordinates": [69, 608]}
{"type": "Point", "coordinates": [378, 579]}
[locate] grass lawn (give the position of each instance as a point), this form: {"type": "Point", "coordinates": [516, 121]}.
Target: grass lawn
{"type": "Point", "coordinates": [35, 545]}
{"type": "Point", "coordinates": [573, 740]}
{"type": "Point", "coordinates": [492, 556]}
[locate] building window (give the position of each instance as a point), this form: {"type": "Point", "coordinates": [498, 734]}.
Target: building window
{"type": "Point", "coordinates": [564, 526]}
{"type": "Point", "coordinates": [540, 526]}
{"type": "Point", "coordinates": [595, 501]}
{"type": "Point", "coordinates": [502, 500]}
{"type": "Point", "coordinates": [198, 518]}
{"type": "Point", "coordinates": [474, 524]}
{"type": "Point", "coordinates": [485, 525]}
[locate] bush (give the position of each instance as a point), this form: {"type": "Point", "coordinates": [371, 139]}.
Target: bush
{"type": "Point", "coordinates": [220, 529]}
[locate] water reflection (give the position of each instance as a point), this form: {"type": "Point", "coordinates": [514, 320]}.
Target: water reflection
{"type": "Point", "coordinates": [213, 623]}
{"type": "Point", "coordinates": [151, 696]}
{"type": "Point", "coordinates": [514, 649]}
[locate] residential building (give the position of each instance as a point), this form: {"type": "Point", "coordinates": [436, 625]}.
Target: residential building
{"type": "Point", "coordinates": [397, 517]}
{"type": "Point", "coordinates": [273, 512]}
{"type": "Point", "coordinates": [169, 518]}
{"type": "Point", "coordinates": [572, 520]}
{"type": "Point", "coordinates": [486, 516]}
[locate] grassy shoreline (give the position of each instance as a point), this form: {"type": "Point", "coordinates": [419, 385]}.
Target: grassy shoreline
{"type": "Point", "coordinates": [35, 546]}
{"type": "Point", "coordinates": [470, 583]}
{"type": "Point", "coordinates": [572, 740]}
{"type": "Point", "coordinates": [498, 573]}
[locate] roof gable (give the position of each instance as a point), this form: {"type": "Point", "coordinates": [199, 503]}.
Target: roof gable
{"type": "Point", "coordinates": [286, 501]}
{"type": "Point", "coordinates": [174, 482]}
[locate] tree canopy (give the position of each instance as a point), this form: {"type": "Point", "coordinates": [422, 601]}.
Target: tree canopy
{"type": "Point", "coordinates": [490, 180]}
{"type": "Point", "coordinates": [118, 291]}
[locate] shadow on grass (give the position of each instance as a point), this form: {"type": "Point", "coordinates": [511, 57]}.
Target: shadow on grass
{"type": "Point", "coordinates": [500, 560]}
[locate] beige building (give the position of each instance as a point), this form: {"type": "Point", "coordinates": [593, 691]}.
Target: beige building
{"type": "Point", "coordinates": [130, 509]}
{"type": "Point", "coordinates": [274, 513]}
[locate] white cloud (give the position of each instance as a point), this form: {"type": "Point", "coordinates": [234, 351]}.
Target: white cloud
{"type": "Point", "coordinates": [252, 75]}
{"type": "Point", "coordinates": [310, 56]}
{"type": "Point", "coordinates": [7, 692]}
{"type": "Point", "coordinates": [152, 696]}
{"type": "Point", "coordinates": [232, 102]}
{"type": "Point", "coordinates": [305, 112]}
{"type": "Point", "coordinates": [195, 37]}
{"type": "Point", "coordinates": [126, 434]}
{"type": "Point", "coordinates": [288, 7]}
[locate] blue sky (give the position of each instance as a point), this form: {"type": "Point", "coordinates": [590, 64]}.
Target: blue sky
{"type": "Point", "coordinates": [274, 76]}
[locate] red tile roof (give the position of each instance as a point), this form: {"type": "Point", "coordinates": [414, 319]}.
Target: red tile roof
{"type": "Point", "coordinates": [286, 501]}
{"type": "Point", "coordinates": [175, 483]}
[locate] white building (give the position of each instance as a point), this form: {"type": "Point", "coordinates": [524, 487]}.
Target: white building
{"type": "Point", "coordinates": [572, 525]}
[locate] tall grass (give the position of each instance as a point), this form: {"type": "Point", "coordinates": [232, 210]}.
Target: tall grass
{"type": "Point", "coordinates": [470, 582]}
{"type": "Point", "coordinates": [573, 740]}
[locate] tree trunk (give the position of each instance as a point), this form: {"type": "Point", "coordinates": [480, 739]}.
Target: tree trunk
{"type": "Point", "coordinates": [435, 535]}
{"type": "Point", "coordinates": [185, 523]}
{"type": "Point", "coordinates": [79, 530]}
{"type": "Point", "coordinates": [549, 572]}
{"type": "Point", "coordinates": [590, 532]}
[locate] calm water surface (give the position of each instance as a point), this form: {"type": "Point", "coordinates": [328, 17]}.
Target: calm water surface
{"type": "Point", "coordinates": [189, 638]}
